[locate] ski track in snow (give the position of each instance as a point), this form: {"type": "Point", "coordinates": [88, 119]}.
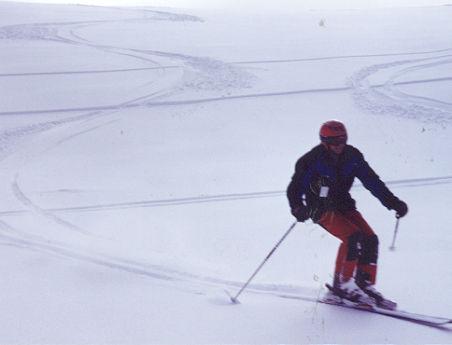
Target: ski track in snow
{"type": "Point", "coordinates": [35, 208]}
{"type": "Point", "coordinates": [217, 75]}
{"type": "Point", "coordinates": [362, 95]}
{"type": "Point", "coordinates": [206, 74]}
{"type": "Point", "coordinates": [184, 281]}
{"type": "Point", "coordinates": [421, 182]}
{"type": "Point", "coordinates": [386, 99]}
{"type": "Point", "coordinates": [340, 57]}
{"type": "Point", "coordinates": [84, 72]}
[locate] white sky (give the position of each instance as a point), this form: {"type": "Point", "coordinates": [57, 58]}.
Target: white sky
{"type": "Point", "coordinates": [259, 4]}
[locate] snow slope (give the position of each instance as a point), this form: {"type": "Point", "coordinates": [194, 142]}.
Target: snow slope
{"type": "Point", "coordinates": [144, 158]}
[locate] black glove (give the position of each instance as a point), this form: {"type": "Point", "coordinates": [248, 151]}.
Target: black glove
{"type": "Point", "coordinates": [400, 207]}
{"type": "Point", "coordinates": [300, 212]}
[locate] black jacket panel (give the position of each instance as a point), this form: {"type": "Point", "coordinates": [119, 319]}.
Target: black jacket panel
{"type": "Point", "coordinates": [319, 168]}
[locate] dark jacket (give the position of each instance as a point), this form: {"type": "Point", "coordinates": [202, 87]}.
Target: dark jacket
{"type": "Point", "coordinates": [319, 168]}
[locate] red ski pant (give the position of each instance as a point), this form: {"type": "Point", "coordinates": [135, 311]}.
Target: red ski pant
{"type": "Point", "coordinates": [358, 251]}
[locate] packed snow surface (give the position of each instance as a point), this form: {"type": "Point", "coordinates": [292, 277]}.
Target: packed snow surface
{"type": "Point", "coordinates": [144, 155]}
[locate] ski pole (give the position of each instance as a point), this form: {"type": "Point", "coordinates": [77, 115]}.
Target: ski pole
{"type": "Point", "coordinates": [392, 247]}
{"type": "Point", "coordinates": [234, 298]}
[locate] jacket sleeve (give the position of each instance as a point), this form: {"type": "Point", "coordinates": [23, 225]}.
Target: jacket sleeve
{"type": "Point", "coordinates": [298, 184]}
{"type": "Point", "coordinates": [374, 184]}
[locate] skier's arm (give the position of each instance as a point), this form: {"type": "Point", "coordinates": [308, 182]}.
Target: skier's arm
{"type": "Point", "coordinates": [375, 185]}
{"type": "Point", "coordinates": [295, 189]}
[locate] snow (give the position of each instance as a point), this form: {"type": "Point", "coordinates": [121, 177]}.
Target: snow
{"type": "Point", "coordinates": [144, 155]}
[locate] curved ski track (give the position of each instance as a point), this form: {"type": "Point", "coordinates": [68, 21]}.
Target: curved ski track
{"type": "Point", "coordinates": [64, 33]}
{"type": "Point", "coordinates": [386, 99]}
{"type": "Point", "coordinates": [366, 95]}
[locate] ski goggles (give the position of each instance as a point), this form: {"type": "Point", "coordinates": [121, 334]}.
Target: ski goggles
{"type": "Point", "coordinates": [342, 139]}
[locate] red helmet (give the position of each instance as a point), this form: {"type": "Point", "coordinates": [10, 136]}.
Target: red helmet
{"type": "Point", "coordinates": [332, 132]}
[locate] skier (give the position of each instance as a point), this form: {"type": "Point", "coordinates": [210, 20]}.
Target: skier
{"type": "Point", "coordinates": [319, 190]}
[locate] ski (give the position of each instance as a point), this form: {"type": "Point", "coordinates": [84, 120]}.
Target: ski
{"type": "Point", "coordinates": [398, 314]}
{"type": "Point", "coordinates": [427, 320]}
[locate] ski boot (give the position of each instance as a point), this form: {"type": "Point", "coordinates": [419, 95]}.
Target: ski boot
{"type": "Point", "coordinates": [367, 285]}
{"type": "Point", "coordinates": [380, 300]}
{"type": "Point", "coordinates": [330, 297]}
{"type": "Point", "coordinates": [350, 293]}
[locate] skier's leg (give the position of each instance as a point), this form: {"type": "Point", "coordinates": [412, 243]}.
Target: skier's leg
{"type": "Point", "coordinates": [366, 271]}
{"type": "Point", "coordinates": [368, 257]}
{"type": "Point", "coordinates": [347, 257]}
{"type": "Point", "coordinates": [340, 259]}
{"type": "Point", "coordinates": [367, 262]}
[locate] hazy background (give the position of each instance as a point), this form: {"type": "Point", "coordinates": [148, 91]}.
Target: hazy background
{"type": "Point", "coordinates": [256, 4]}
